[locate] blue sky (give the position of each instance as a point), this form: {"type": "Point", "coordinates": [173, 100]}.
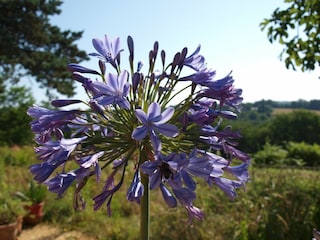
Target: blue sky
{"type": "Point", "coordinates": [228, 31]}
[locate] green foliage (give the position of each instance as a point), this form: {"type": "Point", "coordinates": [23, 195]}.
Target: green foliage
{"type": "Point", "coordinates": [306, 153]}
{"type": "Point", "coordinates": [17, 156]}
{"type": "Point", "coordinates": [15, 128]}
{"type": "Point", "coordinates": [31, 46]}
{"type": "Point", "coordinates": [270, 155]}
{"type": "Point", "coordinates": [14, 102]}
{"type": "Point", "coordinates": [34, 193]}
{"type": "Point", "coordinates": [290, 154]}
{"type": "Point", "coordinates": [297, 28]}
{"type": "Point", "coordinates": [296, 126]}
{"type": "Point", "coordinates": [15, 97]}
{"type": "Point", "coordinates": [10, 209]}
{"type": "Point", "coordinates": [287, 200]}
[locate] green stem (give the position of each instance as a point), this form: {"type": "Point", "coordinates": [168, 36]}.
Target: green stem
{"type": "Point", "coordinates": [144, 207]}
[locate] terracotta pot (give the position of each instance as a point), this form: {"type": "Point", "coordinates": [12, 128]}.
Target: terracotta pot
{"type": "Point", "coordinates": [12, 230]}
{"type": "Point", "coordinates": [35, 208]}
{"type": "Point", "coordinates": [34, 215]}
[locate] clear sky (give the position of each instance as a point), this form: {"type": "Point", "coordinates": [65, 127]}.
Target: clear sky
{"type": "Point", "coordinates": [228, 31]}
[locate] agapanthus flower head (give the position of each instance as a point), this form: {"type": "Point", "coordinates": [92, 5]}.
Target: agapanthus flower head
{"type": "Point", "coordinates": [160, 126]}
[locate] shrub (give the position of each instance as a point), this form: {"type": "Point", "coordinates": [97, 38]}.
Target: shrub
{"type": "Point", "coordinates": [270, 155]}
{"type": "Point", "coordinates": [309, 154]}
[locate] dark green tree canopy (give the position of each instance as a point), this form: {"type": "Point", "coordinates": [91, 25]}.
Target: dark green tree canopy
{"type": "Point", "coordinates": [30, 45]}
{"type": "Point", "coordinates": [297, 28]}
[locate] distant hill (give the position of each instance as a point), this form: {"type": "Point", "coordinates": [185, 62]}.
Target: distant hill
{"type": "Point", "coordinates": [300, 104]}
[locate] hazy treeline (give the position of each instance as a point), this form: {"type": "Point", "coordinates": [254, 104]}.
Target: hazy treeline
{"type": "Point", "coordinates": [283, 138]}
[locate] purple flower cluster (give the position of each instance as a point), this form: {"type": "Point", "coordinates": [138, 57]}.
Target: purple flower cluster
{"type": "Point", "coordinates": [137, 119]}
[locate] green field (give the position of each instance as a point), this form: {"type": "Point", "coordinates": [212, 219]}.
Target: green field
{"type": "Point", "coordinates": [277, 204]}
{"type": "Point", "coordinates": [289, 110]}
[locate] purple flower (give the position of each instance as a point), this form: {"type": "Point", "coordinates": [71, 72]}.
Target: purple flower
{"type": "Point", "coordinates": [96, 107]}
{"type": "Point", "coordinates": [109, 187]}
{"type": "Point", "coordinates": [60, 183]}
{"type": "Point", "coordinates": [114, 91]}
{"type": "Point", "coordinates": [49, 123]}
{"type": "Point", "coordinates": [108, 190]}
{"type": "Point", "coordinates": [136, 79]}
{"type": "Point", "coordinates": [195, 60]}
{"type": "Point", "coordinates": [167, 196]}
{"type": "Point", "coordinates": [64, 102]}
{"type": "Point", "coordinates": [80, 126]}
{"type": "Point", "coordinates": [108, 50]}
{"type": "Point", "coordinates": [204, 113]}
{"type": "Point", "coordinates": [42, 171]}
{"type": "Point", "coordinates": [226, 185]}
{"type": "Point", "coordinates": [224, 91]}
{"type": "Point", "coordinates": [234, 152]}
{"type": "Point", "coordinates": [92, 161]}
{"type": "Point", "coordinates": [239, 171]}
{"type": "Point", "coordinates": [201, 77]}
{"type": "Point", "coordinates": [185, 197]}
{"type": "Point", "coordinates": [136, 189]}
{"type": "Point", "coordinates": [200, 165]}
{"type": "Point", "coordinates": [157, 171]}
{"type": "Point", "coordinates": [53, 152]}
{"type": "Point", "coordinates": [86, 83]}
{"type": "Point", "coordinates": [154, 121]}
{"type": "Point", "coordinates": [73, 67]}
{"type": "Point", "coordinates": [194, 212]}
{"type": "Point", "coordinates": [218, 163]}
{"type": "Point", "coordinates": [224, 140]}
{"type": "Point", "coordinates": [174, 170]}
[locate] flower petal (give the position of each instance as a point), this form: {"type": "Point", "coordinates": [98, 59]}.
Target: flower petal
{"type": "Point", "coordinates": [142, 116]}
{"type": "Point", "coordinates": [139, 133]}
{"type": "Point", "coordinates": [166, 115]}
{"type": "Point", "coordinates": [113, 82]}
{"type": "Point", "coordinates": [167, 196]}
{"type": "Point", "coordinates": [155, 180]}
{"type": "Point", "coordinates": [168, 130]}
{"type": "Point", "coordinates": [99, 46]}
{"type": "Point", "coordinates": [155, 141]}
{"type": "Point", "coordinates": [154, 110]}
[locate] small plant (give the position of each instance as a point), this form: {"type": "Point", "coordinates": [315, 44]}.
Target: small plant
{"type": "Point", "coordinates": [10, 210]}
{"type": "Point", "coordinates": [6, 214]}
{"type": "Point", "coordinates": [35, 193]}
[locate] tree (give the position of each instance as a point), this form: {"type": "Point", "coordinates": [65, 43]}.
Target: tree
{"type": "Point", "coordinates": [14, 102]}
{"type": "Point", "coordinates": [296, 126]}
{"type": "Point", "coordinates": [297, 28]}
{"type": "Point", "coordinates": [31, 46]}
